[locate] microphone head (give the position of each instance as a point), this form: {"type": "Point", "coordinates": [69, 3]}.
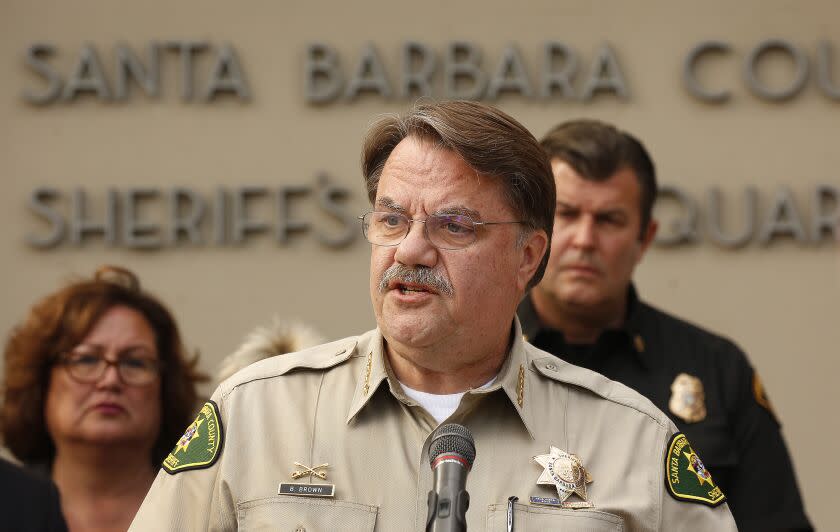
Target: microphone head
{"type": "Point", "coordinates": [452, 438]}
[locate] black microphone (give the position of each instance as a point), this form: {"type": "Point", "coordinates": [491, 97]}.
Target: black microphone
{"type": "Point", "coordinates": [451, 453]}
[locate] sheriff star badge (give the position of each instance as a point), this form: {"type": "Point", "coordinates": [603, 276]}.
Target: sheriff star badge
{"type": "Point", "coordinates": [566, 472]}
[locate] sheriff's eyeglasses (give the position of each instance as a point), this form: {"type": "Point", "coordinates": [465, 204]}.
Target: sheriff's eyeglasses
{"type": "Point", "coordinates": [444, 231]}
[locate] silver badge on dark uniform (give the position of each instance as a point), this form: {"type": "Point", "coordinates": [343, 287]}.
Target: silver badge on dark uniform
{"type": "Point", "coordinates": [688, 401]}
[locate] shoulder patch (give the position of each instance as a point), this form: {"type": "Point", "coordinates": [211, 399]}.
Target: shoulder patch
{"type": "Point", "coordinates": [201, 444]}
{"type": "Point", "coordinates": [760, 395]}
{"type": "Point", "coordinates": [686, 478]}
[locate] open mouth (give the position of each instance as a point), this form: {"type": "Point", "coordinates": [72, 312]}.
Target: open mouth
{"type": "Point", "coordinates": [410, 288]}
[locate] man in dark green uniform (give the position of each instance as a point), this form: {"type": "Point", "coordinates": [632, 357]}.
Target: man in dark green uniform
{"type": "Point", "coordinates": [586, 311]}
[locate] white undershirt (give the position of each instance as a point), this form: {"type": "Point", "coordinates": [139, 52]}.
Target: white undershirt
{"type": "Point", "coordinates": [440, 406]}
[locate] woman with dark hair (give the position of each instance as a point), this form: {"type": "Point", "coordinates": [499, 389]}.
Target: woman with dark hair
{"type": "Point", "coordinates": [87, 375]}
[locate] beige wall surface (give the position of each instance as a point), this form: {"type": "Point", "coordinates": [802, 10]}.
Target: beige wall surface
{"type": "Point", "coordinates": [779, 301]}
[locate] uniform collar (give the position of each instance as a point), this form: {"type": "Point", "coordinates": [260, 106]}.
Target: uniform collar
{"type": "Point", "coordinates": [373, 372]}
{"type": "Point", "coordinates": [512, 379]}
{"type": "Point", "coordinates": [632, 330]}
{"type": "Point", "coordinates": [634, 324]}
{"type": "Point", "coordinates": [531, 324]}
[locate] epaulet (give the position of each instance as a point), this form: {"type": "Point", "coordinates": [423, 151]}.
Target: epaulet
{"type": "Point", "coordinates": [322, 356]}
{"type": "Point", "coordinates": [690, 330]}
{"type": "Point", "coordinates": [559, 370]}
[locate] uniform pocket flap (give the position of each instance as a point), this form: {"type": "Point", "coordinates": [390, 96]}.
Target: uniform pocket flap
{"type": "Point", "coordinates": [532, 518]}
{"type": "Point", "coordinates": [286, 512]}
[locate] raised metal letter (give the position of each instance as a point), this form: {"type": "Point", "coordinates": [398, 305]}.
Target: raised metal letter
{"type": "Point", "coordinates": [417, 80]}
{"type": "Point", "coordinates": [826, 213]}
{"type": "Point", "coordinates": [81, 226]}
{"type": "Point", "coordinates": [285, 223]}
{"type": "Point", "coordinates": [606, 75]}
{"type": "Point", "coordinates": [510, 75]}
{"type": "Point", "coordinates": [34, 56]}
{"type": "Point", "coordinates": [715, 218]}
{"type": "Point", "coordinates": [186, 223]}
{"type": "Point", "coordinates": [689, 75]}
{"type": "Point", "coordinates": [462, 60]}
{"type": "Point", "coordinates": [758, 87]}
{"type": "Point", "coordinates": [783, 218]}
{"type": "Point", "coordinates": [130, 66]}
{"type": "Point", "coordinates": [824, 70]}
{"type": "Point", "coordinates": [241, 224]}
{"type": "Point", "coordinates": [323, 76]}
{"type": "Point", "coordinates": [38, 204]}
{"type": "Point", "coordinates": [561, 79]}
{"type": "Point", "coordinates": [227, 76]}
{"type": "Point", "coordinates": [136, 234]}
{"type": "Point", "coordinates": [186, 49]}
{"type": "Point", "coordinates": [682, 230]}
{"type": "Point", "coordinates": [369, 75]}
{"type": "Point", "coordinates": [88, 76]}
{"type": "Point", "coordinates": [329, 196]}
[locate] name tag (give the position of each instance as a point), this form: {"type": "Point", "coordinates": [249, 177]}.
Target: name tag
{"type": "Point", "coordinates": [552, 501]}
{"type": "Point", "coordinates": [306, 490]}
{"type": "Point", "coordinates": [545, 501]}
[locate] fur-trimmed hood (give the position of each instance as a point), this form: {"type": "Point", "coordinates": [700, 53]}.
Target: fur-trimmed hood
{"type": "Point", "coordinates": [282, 336]}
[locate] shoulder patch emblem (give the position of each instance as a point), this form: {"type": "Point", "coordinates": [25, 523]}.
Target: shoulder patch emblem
{"type": "Point", "coordinates": [761, 395]}
{"type": "Point", "coordinates": [686, 478]}
{"type": "Point", "coordinates": [201, 444]}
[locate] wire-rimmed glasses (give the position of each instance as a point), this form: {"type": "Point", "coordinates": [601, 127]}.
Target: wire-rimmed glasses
{"type": "Point", "coordinates": [444, 231]}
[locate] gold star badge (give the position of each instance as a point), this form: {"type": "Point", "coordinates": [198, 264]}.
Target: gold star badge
{"type": "Point", "coordinates": [695, 465]}
{"type": "Point", "coordinates": [189, 436]}
{"type": "Point", "coordinates": [564, 471]}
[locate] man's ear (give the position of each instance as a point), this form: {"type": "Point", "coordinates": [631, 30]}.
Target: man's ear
{"type": "Point", "coordinates": [533, 250]}
{"type": "Point", "coordinates": [647, 237]}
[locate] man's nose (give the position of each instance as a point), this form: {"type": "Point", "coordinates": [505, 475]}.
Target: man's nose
{"type": "Point", "coordinates": [585, 234]}
{"type": "Point", "coordinates": [416, 249]}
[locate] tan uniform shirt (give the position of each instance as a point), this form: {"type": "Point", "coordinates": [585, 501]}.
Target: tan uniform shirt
{"type": "Point", "coordinates": [340, 404]}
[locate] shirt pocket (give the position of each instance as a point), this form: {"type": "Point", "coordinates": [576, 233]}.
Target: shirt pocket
{"type": "Point", "coordinates": [300, 514]}
{"type": "Point", "coordinates": [531, 518]}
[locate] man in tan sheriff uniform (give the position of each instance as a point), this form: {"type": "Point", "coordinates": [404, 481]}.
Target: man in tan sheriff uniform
{"type": "Point", "coordinates": [336, 437]}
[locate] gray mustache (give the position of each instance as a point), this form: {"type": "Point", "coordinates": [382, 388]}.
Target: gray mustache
{"type": "Point", "coordinates": [421, 275]}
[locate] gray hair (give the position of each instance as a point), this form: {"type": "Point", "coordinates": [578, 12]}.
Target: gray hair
{"type": "Point", "coordinates": [491, 142]}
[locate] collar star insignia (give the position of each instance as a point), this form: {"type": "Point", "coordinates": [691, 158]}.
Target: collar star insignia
{"type": "Point", "coordinates": [564, 471]}
{"type": "Point", "coordinates": [189, 436]}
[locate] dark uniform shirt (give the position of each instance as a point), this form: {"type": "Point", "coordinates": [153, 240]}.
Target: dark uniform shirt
{"type": "Point", "coordinates": [732, 425]}
{"type": "Point", "coordinates": [28, 502]}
